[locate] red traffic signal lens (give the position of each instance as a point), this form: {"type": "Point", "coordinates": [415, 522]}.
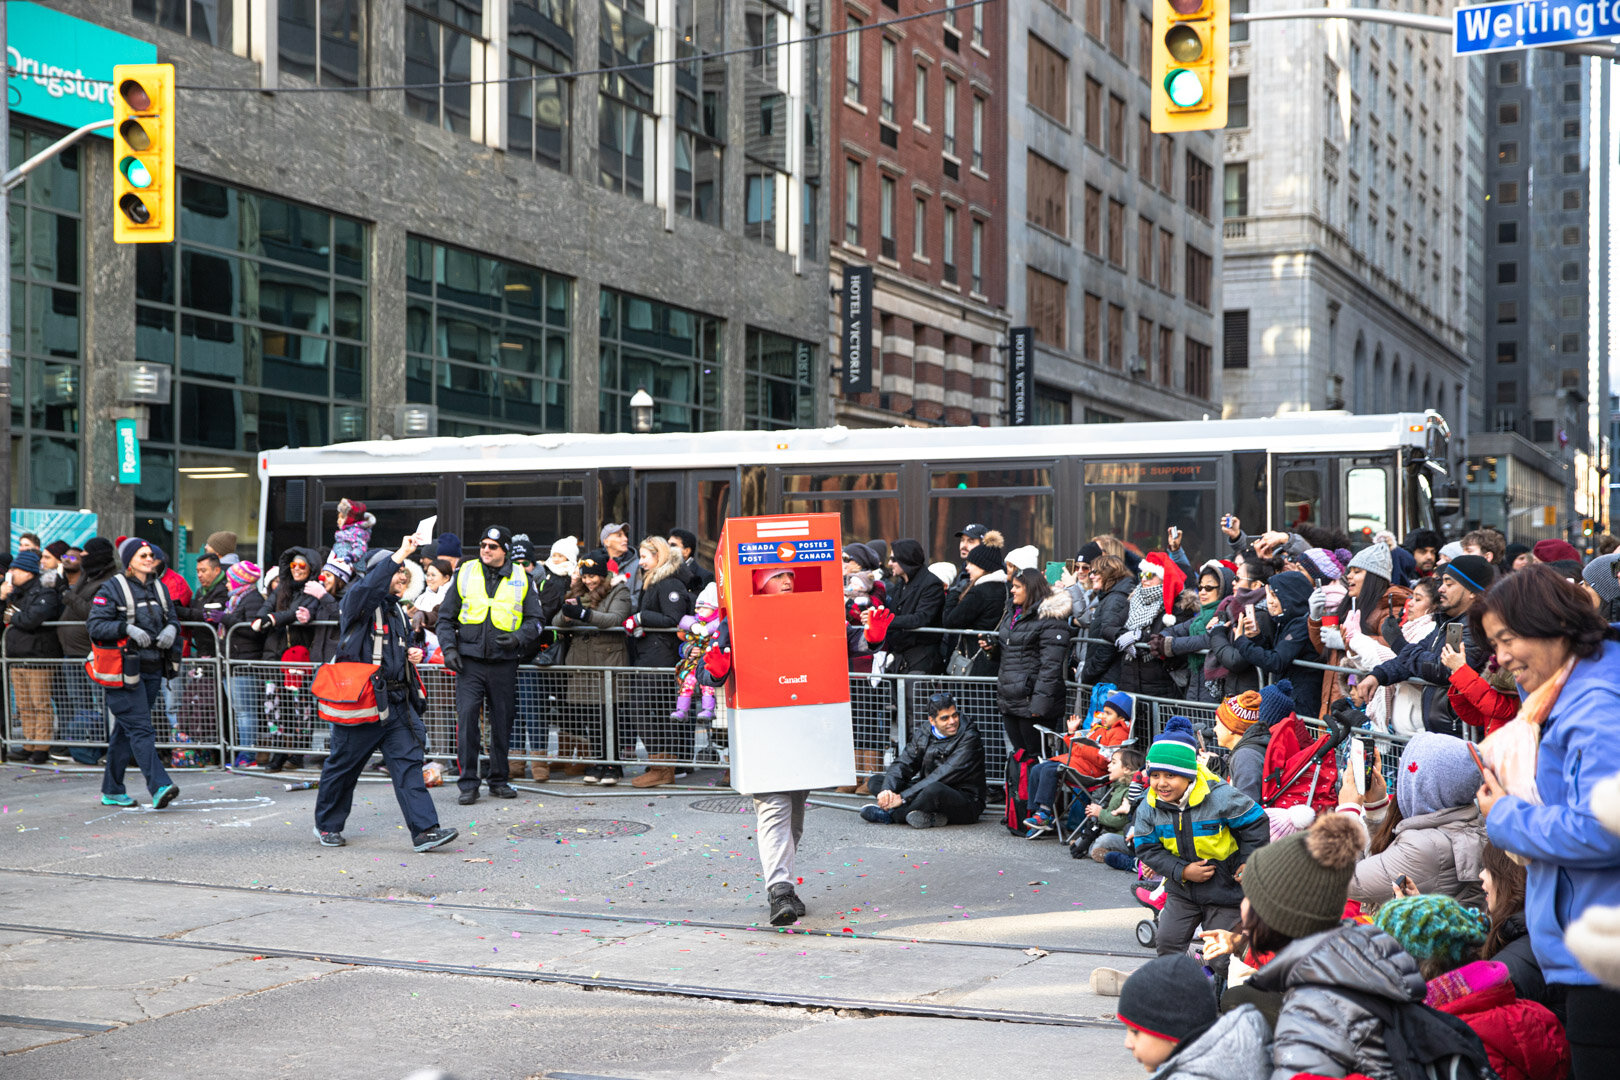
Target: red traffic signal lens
{"type": "Point", "coordinates": [135, 95]}
{"type": "Point", "coordinates": [1185, 7]}
{"type": "Point", "coordinates": [134, 208]}
{"type": "Point", "coordinates": [134, 135]}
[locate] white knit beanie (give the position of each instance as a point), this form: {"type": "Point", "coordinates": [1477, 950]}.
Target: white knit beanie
{"type": "Point", "coordinates": [1024, 557]}
{"type": "Point", "coordinates": [1375, 559]}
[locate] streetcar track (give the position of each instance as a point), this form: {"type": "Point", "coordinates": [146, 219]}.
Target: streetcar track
{"type": "Point", "coordinates": [702, 924]}
{"type": "Point", "coordinates": [640, 986]}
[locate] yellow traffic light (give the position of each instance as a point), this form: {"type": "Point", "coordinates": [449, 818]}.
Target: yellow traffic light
{"type": "Point", "coordinates": [1586, 526]}
{"type": "Point", "coordinates": [143, 153]}
{"type": "Point", "coordinates": [1189, 64]}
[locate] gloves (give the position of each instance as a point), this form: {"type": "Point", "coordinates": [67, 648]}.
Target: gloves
{"type": "Point", "coordinates": [506, 641]}
{"type": "Point", "coordinates": [1127, 639]}
{"type": "Point", "coordinates": [632, 626]}
{"type": "Point", "coordinates": [302, 614]}
{"type": "Point", "coordinates": [315, 589]}
{"type": "Point", "coordinates": [1318, 603]}
{"type": "Point", "coordinates": [574, 610]}
{"type": "Point", "coordinates": [1333, 638]}
{"type": "Point", "coordinates": [138, 636]}
{"type": "Point", "coordinates": [165, 638]}
{"type": "Point", "coordinates": [877, 628]}
{"type": "Point", "coordinates": [718, 662]}
{"type": "Point", "coordinates": [1159, 645]}
{"type": "Point", "coordinates": [452, 661]}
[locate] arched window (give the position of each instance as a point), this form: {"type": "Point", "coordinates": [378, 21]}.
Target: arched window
{"type": "Point", "coordinates": [1358, 377]}
{"type": "Point", "coordinates": [1378, 383]}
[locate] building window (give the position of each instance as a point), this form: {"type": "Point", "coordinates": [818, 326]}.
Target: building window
{"type": "Point", "coordinates": [1116, 29]}
{"type": "Point", "coordinates": [700, 125]}
{"type": "Point", "coordinates": [1507, 153]}
{"type": "Point", "coordinates": [1144, 347]}
{"type": "Point", "coordinates": [1116, 337]}
{"type": "Point", "coordinates": [1507, 273]}
{"type": "Point", "coordinates": [1572, 129]}
{"type": "Point", "coordinates": [1507, 352]}
{"type": "Point", "coordinates": [948, 245]}
{"type": "Point", "coordinates": [439, 39]}
{"type": "Point", "coordinates": [1093, 222]}
{"type": "Point", "coordinates": [47, 310]}
{"type": "Point", "coordinates": [1094, 18]}
{"type": "Point", "coordinates": [978, 25]}
{"type": "Point", "coordinates": [852, 203]}
{"type": "Point", "coordinates": [1507, 232]}
{"type": "Point", "coordinates": [671, 352]}
{"type": "Point", "coordinates": [1167, 357]}
{"type": "Point", "coordinates": [540, 40]}
{"type": "Point", "coordinates": [886, 190]}
{"type": "Point", "coordinates": [1237, 101]}
{"type": "Point", "coordinates": [1240, 30]}
{"type": "Point", "coordinates": [1053, 406]}
{"type": "Point", "coordinates": [1091, 329]}
{"type": "Point", "coordinates": [1236, 201]}
{"type": "Point", "coordinates": [1196, 379]}
{"type": "Point", "coordinates": [1569, 272]}
{"type": "Point", "coordinates": [1569, 343]}
{"type": "Point", "coordinates": [205, 22]}
{"type": "Point", "coordinates": [886, 79]}
{"type": "Point", "coordinates": [1144, 149]}
{"type": "Point", "coordinates": [1572, 91]}
{"type": "Point", "coordinates": [1199, 177]}
{"type": "Point", "coordinates": [1507, 73]}
{"type": "Point", "coordinates": [318, 40]}
{"type": "Point", "coordinates": [1116, 128]}
{"type": "Point", "coordinates": [1507, 112]}
{"type": "Point", "coordinates": [486, 340]}
{"type": "Point", "coordinates": [920, 96]}
{"type": "Point", "coordinates": [976, 255]}
{"type": "Point", "coordinates": [1507, 192]}
{"type": "Point", "coordinates": [779, 382]}
{"type": "Point", "coordinates": [1167, 261]}
{"type": "Point", "coordinates": [1571, 235]}
{"type": "Point", "coordinates": [1199, 266]}
{"type": "Point", "coordinates": [1144, 249]}
{"type": "Point", "coordinates": [919, 229]}
{"type": "Point", "coordinates": [1098, 416]}
{"type": "Point", "coordinates": [1048, 202]}
{"type": "Point", "coordinates": [1569, 307]}
{"type": "Point", "coordinates": [1507, 393]}
{"type": "Point", "coordinates": [852, 59]}
{"type": "Point", "coordinates": [1507, 311]}
{"type": "Point", "coordinates": [1116, 232]}
{"type": "Point", "coordinates": [1144, 46]}
{"type": "Point", "coordinates": [1167, 164]}
{"type": "Point", "coordinates": [1048, 80]}
{"type": "Point", "coordinates": [1544, 431]}
{"type": "Point", "coordinates": [1572, 199]}
{"type": "Point", "coordinates": [1048, 302]}
{"type": "Point", "coordinates": [978, 126]}
{"type": "Point", "coordinates": [627, 124]}
{"type": "Point", "coordinates": [1572, 164]}
{"type": "Point", "coordinates": [1094, 113]}
{"type": "Point", "coordinates": [1235, 339]}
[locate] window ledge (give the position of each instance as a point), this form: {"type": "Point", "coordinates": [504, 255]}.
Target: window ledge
{"type": "Point", "coordinates": [921, 260]}
{"type": "Point", "coordinates": [980, 173]}
{"type": "Point", "coordinates": [884, 260]}
{"type": "Point", "coordinates": [857, 106]}
{"type": "Point", "coordinates": [980, 49]}
{"type": "Point", "coordinates": [952, 158]}
{"type": "Point", "coordinates": [980, 297]}
{"type": "Point", "coordinates": [1044, 231]}
{"type": "Point", "coordinates": [920, 126]}
{"type": "Point", "coordinates": [853, 248]}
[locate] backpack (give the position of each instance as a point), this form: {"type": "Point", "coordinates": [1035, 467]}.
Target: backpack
{"type": "Point", "coordinates": [1424, 1043]}
{"type": "Point", "coordinates": [1017, 791]}
{"type": "Point", "coordinates": [1298, 770]}
{"type": "Point", "coordinates": [1099, 698]}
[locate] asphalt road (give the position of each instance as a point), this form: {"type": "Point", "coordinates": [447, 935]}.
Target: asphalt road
{"type": "Point", "coordinates": [575, 932]}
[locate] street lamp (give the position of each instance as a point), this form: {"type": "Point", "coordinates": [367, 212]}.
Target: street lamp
{"type": "Point", "coordinates": [641, 411]}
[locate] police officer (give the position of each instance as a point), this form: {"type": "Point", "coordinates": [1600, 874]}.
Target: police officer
{"type": "Point", "coordinates": [489, 618]}
{"type": "Point", "coordinates": [400, 734]}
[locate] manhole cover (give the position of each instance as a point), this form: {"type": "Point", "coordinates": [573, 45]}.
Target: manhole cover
{"type": "Point", "coordinates": [734, 804]}
{"type": "Point", "coordinates": [578, 829]}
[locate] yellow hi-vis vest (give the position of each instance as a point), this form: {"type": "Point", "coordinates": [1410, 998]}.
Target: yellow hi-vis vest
{"type": "Point", "coordinates": [505, 611]}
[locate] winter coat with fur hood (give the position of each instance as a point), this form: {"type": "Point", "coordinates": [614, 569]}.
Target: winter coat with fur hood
{"type": "Point", "coordinates": [1319, 1029]}
{"type": "Point", "coordinates": [1033, 653]}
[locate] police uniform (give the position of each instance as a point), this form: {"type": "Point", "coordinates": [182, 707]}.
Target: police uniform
{"type": "Point", "coordinates": [488, 621]}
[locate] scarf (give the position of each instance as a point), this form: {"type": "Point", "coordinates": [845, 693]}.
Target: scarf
{"type": "Point", "coordinates": [1511, 749]}
{"type": "Point", "coordinates": [1147, 604]}
{"type": "Point", "coordinates": [1200, 622]}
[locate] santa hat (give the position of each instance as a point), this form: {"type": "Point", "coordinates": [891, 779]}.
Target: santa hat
{"type": "Point", "coordinates": [1171, 573]}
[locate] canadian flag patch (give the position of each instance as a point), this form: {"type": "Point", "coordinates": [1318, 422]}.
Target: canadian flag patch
{"type": "Point", "coordinates": [101, 600]}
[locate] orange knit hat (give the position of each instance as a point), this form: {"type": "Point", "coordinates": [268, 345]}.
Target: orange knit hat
{"type": "Point", "coordinates": [1238, 713]}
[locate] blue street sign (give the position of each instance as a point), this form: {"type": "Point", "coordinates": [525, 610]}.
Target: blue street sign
{"type": "Point", "coordinates": [1497, 27]}
{"type": "Point", "coordinates": [129, 453]}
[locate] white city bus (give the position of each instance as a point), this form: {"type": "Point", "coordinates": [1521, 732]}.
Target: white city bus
{"type": "Point", "coordinates": [1053, 487]}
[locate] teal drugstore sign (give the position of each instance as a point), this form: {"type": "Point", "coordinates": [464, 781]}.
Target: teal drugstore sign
{"type": "Point", "coordinates": [65, 65]}
{"type": "Point", "coordinates": [129, 452]}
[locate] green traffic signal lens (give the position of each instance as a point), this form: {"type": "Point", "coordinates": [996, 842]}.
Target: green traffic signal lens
{"type": "Point", "coordinates": [1184, 43]}
{"type": "Point", "coordinates": [1185, 88]}
{"type": "Point", "coordinates": [134, 135]}
{"type": "Point", "coordinates": [134, 208]}
{"type": "Point", "coordinates": [136, 172]}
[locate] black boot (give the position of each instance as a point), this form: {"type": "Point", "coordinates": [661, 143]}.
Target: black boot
{"type": "Point", "coordinates": [786, 907]}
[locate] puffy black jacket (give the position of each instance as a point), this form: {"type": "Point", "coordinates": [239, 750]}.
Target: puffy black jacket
{"type": "Point", "coordinates": [1287, 640]}
{"type": "Point", "coordinates": [30, 608]}
{"type": "Point", "coordinates": [479, 640]}
{"type": "Point", "coordinates": [242, 642]}
{"type": "Point", "coordinates": [1033, 653]}
{"type": "Point", "coordinates": [73, 636]}
{"type": "Point", "coordinates": [206, 606]}
{"type": "Point", "coordinates": [1107, 623]}
{"type": "Point", "coordinates": [956, 761]}
{"type": "Point", "coordinates": [919, 603]}
{"type": "Point", "coordinates": [976, 608]}
{"type": "Point", "coordinates": [281, 605]}
{"type": "Point", "coordinates": [665, 600]}
{"type": "Point", "coordinates": [553, 590]}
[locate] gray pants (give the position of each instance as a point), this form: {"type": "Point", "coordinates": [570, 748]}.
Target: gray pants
{"type": "Point", "coordinates": [778, 824]}
{"type": "Point", "coordinates": [1109, 841]}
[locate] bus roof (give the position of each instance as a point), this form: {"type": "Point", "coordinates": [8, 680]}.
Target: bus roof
{"type": "Point", "coordinates": [1298, 433]}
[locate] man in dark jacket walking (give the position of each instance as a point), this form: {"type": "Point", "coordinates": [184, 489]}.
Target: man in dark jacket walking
{"type": "Point", "coordinates": [135, 609]}
{"type": "Point", "coordinates": [489, 618]}
{"type": "Point", "coordinates": [938, 779]}
{"type": "Point", "coordinates": [29, 604]}
{"type": "Point", "coordinates": [920, 601]}
{"type": "Point", "coordinates": [400, 733]}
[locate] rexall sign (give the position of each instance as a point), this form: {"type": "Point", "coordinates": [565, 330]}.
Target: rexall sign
{"type": "Point", "coordinates": [1519, 23]}
{"type": "Point", "coordinates": [63, 67]}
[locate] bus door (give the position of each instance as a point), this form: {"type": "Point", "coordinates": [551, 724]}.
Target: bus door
{"type": "Point", "coordinates": [1303, 493]}
{"type": "Point", "coordinates": [698, 499]}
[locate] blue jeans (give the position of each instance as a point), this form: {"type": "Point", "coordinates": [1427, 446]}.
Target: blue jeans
{"type": "Point", "coordinates": [132, 736]}
{"type": "Point", "coordinates": [1044, 777]}
{"type": "Point", "coordinates": [245, 693]}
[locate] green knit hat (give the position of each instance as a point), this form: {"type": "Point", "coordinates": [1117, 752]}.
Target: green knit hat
{"type": "Point", "coordinates": [1434, 927]}
{"type": "Point", "coordinates": [1173, 756]}
{"type": "Point", "coordinates": [1298, 885]}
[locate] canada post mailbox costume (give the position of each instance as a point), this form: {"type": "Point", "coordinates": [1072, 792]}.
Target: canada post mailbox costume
{"type": "Point", "coordinates": [787, 701]}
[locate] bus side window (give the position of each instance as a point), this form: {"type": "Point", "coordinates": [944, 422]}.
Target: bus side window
{"type": "Point", "coordinates": [1301, 498]}
{"type": "Point", "coordinates": [1366, 499]}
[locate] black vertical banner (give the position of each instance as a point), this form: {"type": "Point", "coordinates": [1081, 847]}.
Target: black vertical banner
{"type": "Point", "coordinates": [857, 375]}
{"type": "Point", "coordinates": [1021, 372]}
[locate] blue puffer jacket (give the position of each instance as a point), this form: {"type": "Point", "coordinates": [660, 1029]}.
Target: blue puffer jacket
{"type": "Point", "coordinates": [1574, 860]}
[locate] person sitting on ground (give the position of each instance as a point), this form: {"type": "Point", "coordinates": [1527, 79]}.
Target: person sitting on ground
{"type": "Point", "coordinates": [1087, 755]}
{"type": "Point", "coordinates": [1523, 1039]}
{"type": "Point", "coordinates": [1113, 808]}
{"type": "Point", "coordinates": [938, 779]}
{"type": "Point", "coordinates": [1173, 1027]}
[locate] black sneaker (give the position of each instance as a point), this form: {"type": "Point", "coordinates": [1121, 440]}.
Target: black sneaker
{"type": "Point", "coordinates": [467, 798]}
{"type": "Point", "coordinates": [502, 791]}
{"type": "Point", "coordinates": [785, 906]}
{"type": "Point", "coordinates": [329, 839]}
{"type": "Point", "coordinates": [427, 841]}
{"type": "Point", "coordinates": [593, 775]}
{"type": "Point", "coordinates": [39, 757]}
{"type": "Point", "coordinates": [610, 775]}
